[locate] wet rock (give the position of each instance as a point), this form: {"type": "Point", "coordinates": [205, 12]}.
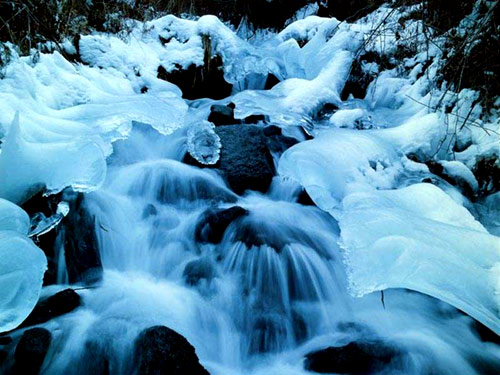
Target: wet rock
{"type": "Point", "coordinates": [83, 260]}
{"type": "Point", "coordinates": [162, 351]}
{"type": "Point", "coordinates": [214, 223]}
{"type": "Point", "coordinates": [40, 204]}
{"type": "Point", "coordinates": [31, 351]}
{"type": "Point", "coordinates": [255, 119]}
{"type": "Point", "coordinates": [199, 188]}
{"type": "Point", "coordinates": [268, 333]}
{"type": "Point", "coordinates": [272, 130]}
{"type": "Point", "coordinates": [256, 234]}
{"type": "Point", "coordinates": [355, 358]}
{"type": "Point", "coordinates": [59, 304]}
{"type": "Point", "coordinates": [196, 82]}
{"type": "Point", "coordinates": [245, 160]}
{"type": "Point", "coordinates": [149, 210]}
{"type": "Point", "coordinates": [197, 270]}
{"type": "Point", "coordinates": [94, 360]}
{"type": "Point", "coordinates": [222, 115]}
{"type": "Point", "coordinates": [280, 143]}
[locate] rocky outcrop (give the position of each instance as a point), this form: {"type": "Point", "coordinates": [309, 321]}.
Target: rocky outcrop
{"type": "Point", "coordinates": [31, 351]}
{"type": "Point", "coordinates": [162, 351]}
{"type": "Point", "coordinates": [355, 358]}
{"type": "Point", "coordinates": [46, 309]}
{"type": "Point", "coordinates": [198, 270]}
{"type": "Point", "coordinates": [94, 360]}
{"type": "Point", "coordinates": [245, 160]}
{"type": "Point", "coordinates": [222, 115]}
{"type": "Point", "coordinates": [214, 223]}
{"type": "Point", "coordinates": [81, 251]}
{"type": "Point", "coordinates": [246, 155]}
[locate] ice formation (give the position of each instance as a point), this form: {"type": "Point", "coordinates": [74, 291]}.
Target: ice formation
{"type": "Point", "coordinates": [113, 129]}
{"type": "Point", "coordinates": [419, 238]}
{"type": "Point", "coordinates": [22, 266]}
{"type": "Point", "coordinates": [203, 143]}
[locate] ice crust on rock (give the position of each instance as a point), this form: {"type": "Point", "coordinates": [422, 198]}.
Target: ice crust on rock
{"type": "Point", "coordinates": [13, 217]}
{"type": "Point", "coordinates": [337, 161]}
{"type": "Point", "coordinates": [27, 166]}
{"type": "Point", "coordinates": [414, 237]}
{"type": "Point", "coordinates": [317, 72]}
{"type": "Point", "coordinates": [69, 115]}
{"type": "Point", "coordinates": [418, 238]}
{"type": "Point", "coordinates": [22, 266]}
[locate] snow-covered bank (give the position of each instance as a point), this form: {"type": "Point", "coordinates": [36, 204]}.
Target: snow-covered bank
{"type": "Point", "coordinates": [399, 203]}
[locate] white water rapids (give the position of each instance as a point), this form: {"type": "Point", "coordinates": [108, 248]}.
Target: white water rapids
{"type": "Point", "coordinates": [251, 310]}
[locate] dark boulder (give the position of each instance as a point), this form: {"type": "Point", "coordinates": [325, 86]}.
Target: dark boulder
{"type": "Point", "coordinates": [94, 360]}
{"type": "Point", "coordinates": [355, 358]}
{"type": "Point", "coordinates": [272, 130]}
{"type": "Point", "coordinates": [196, 82]}
{"type": "Point", "coordinates": [255, 119]}
{"type": "Point", "coordinates": [214, 223]}
{"type": "Point", "coordinates": [245, 160]}
{"type": "Point", "coordinates": [197, 270]}
{"type": "Point", "coordinates": [222, 115]}
{"type": "Point", "coordinates": [31, 351]}
{"type": "Point", "coordinates": [59, 304]}
{"type": "Point", "coordinates": [162, 351]}
{"type": "Point", "coordinates": [280, 143]}
{"type": "Point", "coordinates": [81, 251]}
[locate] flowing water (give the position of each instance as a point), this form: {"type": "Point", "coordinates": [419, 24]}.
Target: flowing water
{"type": "Point", "coordinates": [272, 291]}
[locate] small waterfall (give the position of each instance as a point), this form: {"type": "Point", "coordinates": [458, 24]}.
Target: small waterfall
{"type": "Point", "coordinates": [273, 290]}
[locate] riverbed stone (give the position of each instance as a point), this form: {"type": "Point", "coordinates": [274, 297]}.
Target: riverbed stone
{"type": "Point", "coordinates": [162, 351]}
